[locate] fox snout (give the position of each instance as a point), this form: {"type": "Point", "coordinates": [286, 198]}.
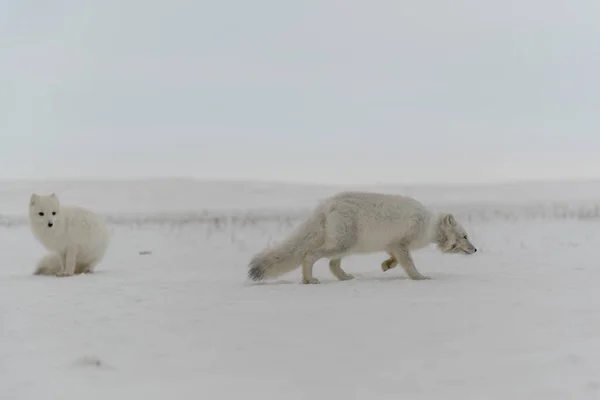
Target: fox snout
{"type": "Point", "coordinates": [463, 246]}
{"type": "Point", "coordinates": [468, 247]}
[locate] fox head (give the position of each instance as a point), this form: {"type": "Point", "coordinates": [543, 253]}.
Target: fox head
{"type": "Point", "coordinates": [451, 236]}
{"type": "Point", "coordinates": [44, 211]}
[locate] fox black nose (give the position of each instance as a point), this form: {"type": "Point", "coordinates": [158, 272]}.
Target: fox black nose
{"type": "Point", "coordinates": [474, 250]}
{"type": "Point", "coordinates": [50, 224]}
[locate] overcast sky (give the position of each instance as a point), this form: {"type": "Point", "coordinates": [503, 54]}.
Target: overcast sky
{"type": "Point", "coordinates": [348, 91]}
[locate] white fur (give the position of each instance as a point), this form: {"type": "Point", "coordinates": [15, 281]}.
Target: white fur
{"type": "Point", "coordinates": [358, 223]}
{"type": "Point", "coordinates": [76, 238]}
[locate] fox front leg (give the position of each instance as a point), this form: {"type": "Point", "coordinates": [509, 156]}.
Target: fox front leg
{"type": "Point", "coordinates": [389, 263]}
{"type": "Point", "coordinates": [68, 262]}
{"type": "Point", "coordinates": [335, 266]}
{"type": "Point", "coordinates": [402, 255]}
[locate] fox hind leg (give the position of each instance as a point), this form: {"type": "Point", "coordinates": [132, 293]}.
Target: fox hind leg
{"type": "Point", "coordinates": [341, 235]}
{"type": "Point", "coordinates": [335, 265]}
{"type": "Point", "coordinates": [311, 259]}
{"type": "Point", "coordinates": [307, 269]}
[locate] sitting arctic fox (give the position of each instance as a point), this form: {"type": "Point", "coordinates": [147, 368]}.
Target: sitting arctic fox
{"type": "Point", "coordinates": [358, 223]}
{"type": "Point", "coordinates": [76, 238]}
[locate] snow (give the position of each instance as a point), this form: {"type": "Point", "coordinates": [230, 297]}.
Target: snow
{"type": "Point", "coordinates": [517, 320]}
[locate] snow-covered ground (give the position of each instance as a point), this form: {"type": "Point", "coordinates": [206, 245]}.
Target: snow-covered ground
{"type": "Point", "coordinates": [518, 320]}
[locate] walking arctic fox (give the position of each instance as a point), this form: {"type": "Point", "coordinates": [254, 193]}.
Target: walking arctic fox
{"type": "Point", "coordinates": [358, 223]}
{"type": "Point", "coordinates": [76, 238]}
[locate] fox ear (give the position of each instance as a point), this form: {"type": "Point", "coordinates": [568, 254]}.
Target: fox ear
{"type": "Point", "coordinates": [32, 200]}
{"type": "Point", "coordinates": [449, 220]}
{"type": "Point", "coordinates": [53, 195]}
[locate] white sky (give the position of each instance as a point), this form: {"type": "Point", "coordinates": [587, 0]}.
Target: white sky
{"type": "Point", "coordinates": [347, 91]}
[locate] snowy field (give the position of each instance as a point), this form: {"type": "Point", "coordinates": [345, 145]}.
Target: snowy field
{"type": "Point", "coordinates": [518, 320]}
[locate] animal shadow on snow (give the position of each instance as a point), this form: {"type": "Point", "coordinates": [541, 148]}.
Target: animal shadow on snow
{"type": "Point", "coordinates": [327, 281]}
{"type": "Point", "coordinates": [368, 277]}
{"type": "Point", "coordinates": [77, 275]}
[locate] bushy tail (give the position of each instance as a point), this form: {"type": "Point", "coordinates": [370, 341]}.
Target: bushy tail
{"type": "Point", "coordinates": [288, 255]}
{"type": "Point", "coordinates": [48, 265]}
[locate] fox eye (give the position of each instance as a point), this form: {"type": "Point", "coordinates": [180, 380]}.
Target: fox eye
{"type": "Point", "coordinates": [464, 237]}
{"type": "Point", "coordinates": [54, 213]}
{"type": "Point", "coordinates": [41, 214]}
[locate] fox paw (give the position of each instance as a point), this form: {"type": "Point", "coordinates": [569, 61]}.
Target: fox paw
{"type": "Point", "coordinates": [419, 278]}
{"type": "Point", "coordinates": [311, 281]}
{"type": "Point", "coordinates": [388, 264]}
{"type": "Point", "coordinates": [62, 274]}
{"type": "Point", "coordinates": [347, 277]}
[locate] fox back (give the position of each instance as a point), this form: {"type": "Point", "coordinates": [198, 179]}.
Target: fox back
{"type": "Point", "coordinates": [379, 219]}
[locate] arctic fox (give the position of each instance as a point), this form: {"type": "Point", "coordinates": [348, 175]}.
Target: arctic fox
{"type": "Point", "coordinates": [358, 223]}
{"type": "Point", "coordinates": [76, 238]}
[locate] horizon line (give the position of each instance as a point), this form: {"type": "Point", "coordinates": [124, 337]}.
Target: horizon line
{"type": "Point", "coordinates": [503, 182]}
